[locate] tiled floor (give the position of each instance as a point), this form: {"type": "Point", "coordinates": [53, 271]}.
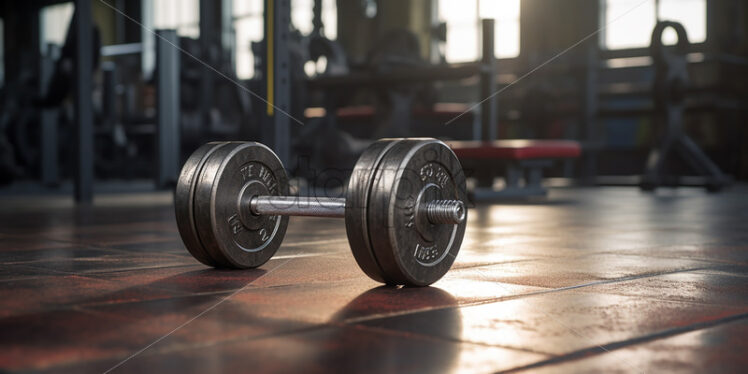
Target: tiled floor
{"type": "Point", "coordinates": [591, 280]}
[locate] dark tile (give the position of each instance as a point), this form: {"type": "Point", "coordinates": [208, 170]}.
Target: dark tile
{"type": "Point", "coordinates": [582, 269]}
{"type": "Point", "coordinates": [698, 287]}
{"type": "Point", "coordinates": [717, 349]}
{"type": "Point", "coordinates": [65, 291]}
{"type": "Point", "coordinates": [193, 321]}
{"type": "Point", "coordinates": [174, 246]}
{"type": "Point", "coordinates": [735, 254]}
{"type": "Point", "coordinates": [84, 288]}
{"type": "Point", "coordinates": [191, 279]}
{"type": "Point", "coordinates": [113, 262]}
{"type": "Point", "coordinates": [20, 272]}
{"type": "Point", "coordinates": [349, 349]}
{"type": "Point", "coordinates": [360, 298]}
{"type": "Point", "coordinates": [30, 256]}
{"type": "Point", "coordinates": [112, 234]}
{"type": "Point", "coordinates": [311, 303]}
{"type": "Point", "coordinates": [471, 255]}
{"type": "Point", "coordinates": [23, 243]}
{"type": "Point", "coordinates": [303, 269]}
{"type": "Point", "coordinates": [726, 269]}
{"type": "Point", "coordinates": [117, 237]}
{"type": "Point", "coordinates": [559, 322]}
{"type": "Point", "coordinates": [47, 339]}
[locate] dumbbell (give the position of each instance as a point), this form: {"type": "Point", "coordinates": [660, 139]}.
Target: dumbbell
{"type": "Point", "coordinates": [404, 208]}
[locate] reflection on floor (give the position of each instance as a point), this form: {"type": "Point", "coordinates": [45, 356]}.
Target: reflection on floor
{"type": "Point", "coordinates": [591, 280]}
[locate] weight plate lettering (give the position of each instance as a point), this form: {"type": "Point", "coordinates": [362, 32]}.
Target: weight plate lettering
{"type": "Point", "coordinates": [229, 179]}
{"type": "Point", "coordinates": [411, 174]}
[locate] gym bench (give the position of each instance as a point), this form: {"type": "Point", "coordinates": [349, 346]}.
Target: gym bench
{"type": "Point", "coordinates": [523, 160]}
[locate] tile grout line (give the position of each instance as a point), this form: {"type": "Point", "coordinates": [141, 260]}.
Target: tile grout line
{"type": "Point", "coordinates": [607, 348]}
{"type": "Point", "coordinates": [251, 286]}
{"type": "Point", "coordinates": [574, 331]}
{"type": "Point", "coordinates": [520, 296]}
{"type": "Point", "coordinates": [189, 321]}
{"type": "Point", "coordinates": [445, 339]}
{"type": "Point", "coordinates": [555, 358]}
{"type": "Point", "coordinates": [356, 321]}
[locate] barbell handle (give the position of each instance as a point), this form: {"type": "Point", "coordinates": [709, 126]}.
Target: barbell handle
{"type": "Point", "coordinates": [450, 212]}
{"type": "Point", "coordinates": [298, 206]}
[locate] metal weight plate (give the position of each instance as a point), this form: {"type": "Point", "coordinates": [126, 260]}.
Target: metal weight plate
{"type": "Point", "coordinates": [231, 176]}
{"type": "Point", "coordinates": [356, 203]}
{"type": "Point", "coordinates": [409, 249]}
{"type": "Point", "coordinates": [183, 202]}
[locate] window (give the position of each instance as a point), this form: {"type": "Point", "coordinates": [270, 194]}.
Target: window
{"type": "Point", "coordinates": [463, 27]}
{"type": "Point", "coordinates": [54, 21]}
{"type": "Point", "coordinates": [182, 15]}
{"type": "Point", "coordinates": [630, 22]}
{"type": "Point", "coordinates": [2, 53]}
{"type": "Point", "coordinates": [249, 27]}
{"type": "Point", "coordinates": [302, 13]}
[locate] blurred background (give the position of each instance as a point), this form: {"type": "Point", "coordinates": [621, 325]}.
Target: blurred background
{"type": "Point", "coordinates": [113, 95]}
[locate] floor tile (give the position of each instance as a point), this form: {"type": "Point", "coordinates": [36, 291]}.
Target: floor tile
{"type": "Point", "coordinates": [347, 349]}
{"type": "Point", "coordinates": [718, 349]}
{"type": "Point", "coordinates": [697, 287]}
{"type": "Point", "coordinates": [660, 279]}
{"type": "Point", "coordinates": [561, 322]}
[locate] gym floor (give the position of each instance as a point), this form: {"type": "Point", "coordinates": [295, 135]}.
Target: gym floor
{"type": "Point", "coordinates": [590, 280]}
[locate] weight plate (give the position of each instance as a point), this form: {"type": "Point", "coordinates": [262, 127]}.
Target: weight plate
{"type": "Point", "coordinates": [183, 202]}
{"type": "Point", "coordinates": [226, 228]}
{"type": "Point", "coordinates": [356, 203]}
{"type": "Point", "coordinates": [409, 250]}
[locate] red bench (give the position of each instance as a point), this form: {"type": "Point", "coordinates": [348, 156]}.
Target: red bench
{"type": "Point", "coordinates": [440, 111]}
{"type": "Point", "coordinates": [524, 161]}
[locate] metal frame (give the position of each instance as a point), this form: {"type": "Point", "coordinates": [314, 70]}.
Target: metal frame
{"type": "Point", "coordinates": [277, 77]}
{"type": "Point", "coordinates": [206, 38]}
{"type": "Point", "coordinates": [49, 115]}
{"type": "Point", "coordinates": [671, 80]}
{"type": "Point", "coordinates": [167, 108]}
{"type": "Point", "coordinates": [84, 170]}
{"type": "Point", "coordinates": [489, 107]}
